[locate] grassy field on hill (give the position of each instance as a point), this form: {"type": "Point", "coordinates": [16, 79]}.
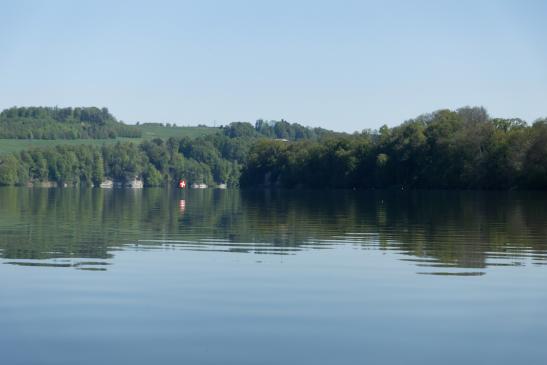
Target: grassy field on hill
{"type": "Point", "coordinates": [15, 145]}
{"type": "Point", "coordinates": [148, 132]}
{"type": "Point", "coordinates": [157, 131]}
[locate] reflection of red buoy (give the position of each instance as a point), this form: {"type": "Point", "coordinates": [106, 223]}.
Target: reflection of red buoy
{"type": "Point", "coordinates": [182, 205]}
{"type": "Point", "coordinates": [182, 184]}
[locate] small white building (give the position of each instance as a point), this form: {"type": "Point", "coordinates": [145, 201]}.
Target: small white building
{"type": "Point", "coordinates": [107, 184]}
{"type": "Point", "coordinates": [198, 186]}
{"type": "Point", "coordinates": [136, 183]}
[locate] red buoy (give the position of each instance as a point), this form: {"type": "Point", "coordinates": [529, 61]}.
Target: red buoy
{"type": "Point", "coordinates": [182, 184]}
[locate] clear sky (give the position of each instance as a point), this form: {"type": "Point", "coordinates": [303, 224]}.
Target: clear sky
{"type": "Point", "coordinates": [343, 65]}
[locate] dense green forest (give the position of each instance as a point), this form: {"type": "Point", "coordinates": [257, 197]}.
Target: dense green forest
{"type": "Point", "coordinates": [157, 162]}
{"type": "Point", "coordinates": [445, 149]}
{"type": "Point", "coordinates": [465, 149]}
{"type": "Point", "coordinates": [62, 123]}
{"type": "Point", "coordinates": [212, 158]}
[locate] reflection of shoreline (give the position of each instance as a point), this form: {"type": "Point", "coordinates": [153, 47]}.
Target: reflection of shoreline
{"type": "Point", "coordinates": [79, 265]}
{"type": "Point", "coordinates": [452, 229]}
{"type": "Point", "coordinates": [462, 273]}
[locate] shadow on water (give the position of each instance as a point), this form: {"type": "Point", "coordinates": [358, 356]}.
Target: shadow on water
{"type": "Point", "coordinates": [438, 230]}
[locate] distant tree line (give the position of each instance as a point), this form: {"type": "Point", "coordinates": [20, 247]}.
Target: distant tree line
{"type": "Point", "coordinates": [157, 162]}
{"type": "Point", "coordinates": [276, 130]}
{"type": "Point", "coordinates": [62, 123]}
{"type": "Point", "coordinates": [211, 159]}
{"type": "Point", "coordinates": [464, 149]}
{"type": "Point", "coordinates": [216, 158]}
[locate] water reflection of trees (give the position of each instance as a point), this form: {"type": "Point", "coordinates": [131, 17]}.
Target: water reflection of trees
{"type": "Point", "coordinates": [465, 229]}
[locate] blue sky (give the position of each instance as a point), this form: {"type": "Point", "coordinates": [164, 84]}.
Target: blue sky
{"type": "Point", "coordinates": [344, 65]}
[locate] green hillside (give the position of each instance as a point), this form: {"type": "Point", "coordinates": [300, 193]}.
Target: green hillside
{"type": "Point", "coordinates": [22, 128]}
{"type": "Point", "coordinates": [148, 132]}
{"type": "Point", "coordinates": [16, 145]}
{"type": "Point", "coordinates": [447, 149]}
{"type": "Point", "coordinates": [156, 130]}
{"type": "Point", "coordinates": [62, 123]}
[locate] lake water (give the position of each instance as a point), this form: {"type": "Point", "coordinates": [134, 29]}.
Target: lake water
{"type": "Point", "coordinates": [159, 276]}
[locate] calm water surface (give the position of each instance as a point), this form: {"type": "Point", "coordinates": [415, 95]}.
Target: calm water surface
{"type": "Point", "coordinates": [227, 277]}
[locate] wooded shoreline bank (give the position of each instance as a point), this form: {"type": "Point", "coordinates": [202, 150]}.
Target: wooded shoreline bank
{"type": "Point", "coordinates": [462, 149]}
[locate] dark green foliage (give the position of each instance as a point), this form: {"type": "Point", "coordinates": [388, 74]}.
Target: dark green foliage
{"type": "Point", "coordinates": [274, 130]}
{"type": "Point", "coordinates": [239, 129]}
{"type": "Point", "coordinates": [289, 131]}
{"type": "Point", "coordinates": [123, 161]}
{"type": "Point", "coordinates": [62, 123]}
{"type": "Point", "coordinates": [8, 170]}
{"type": "Point", "coordinates": [157, 162]}
{"type": "Point", "coordinates": [212, 158]}
{"type": "Point", "coordinates": [463, 149]}
{"type": "Point", "coordinates": [535, 161]}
